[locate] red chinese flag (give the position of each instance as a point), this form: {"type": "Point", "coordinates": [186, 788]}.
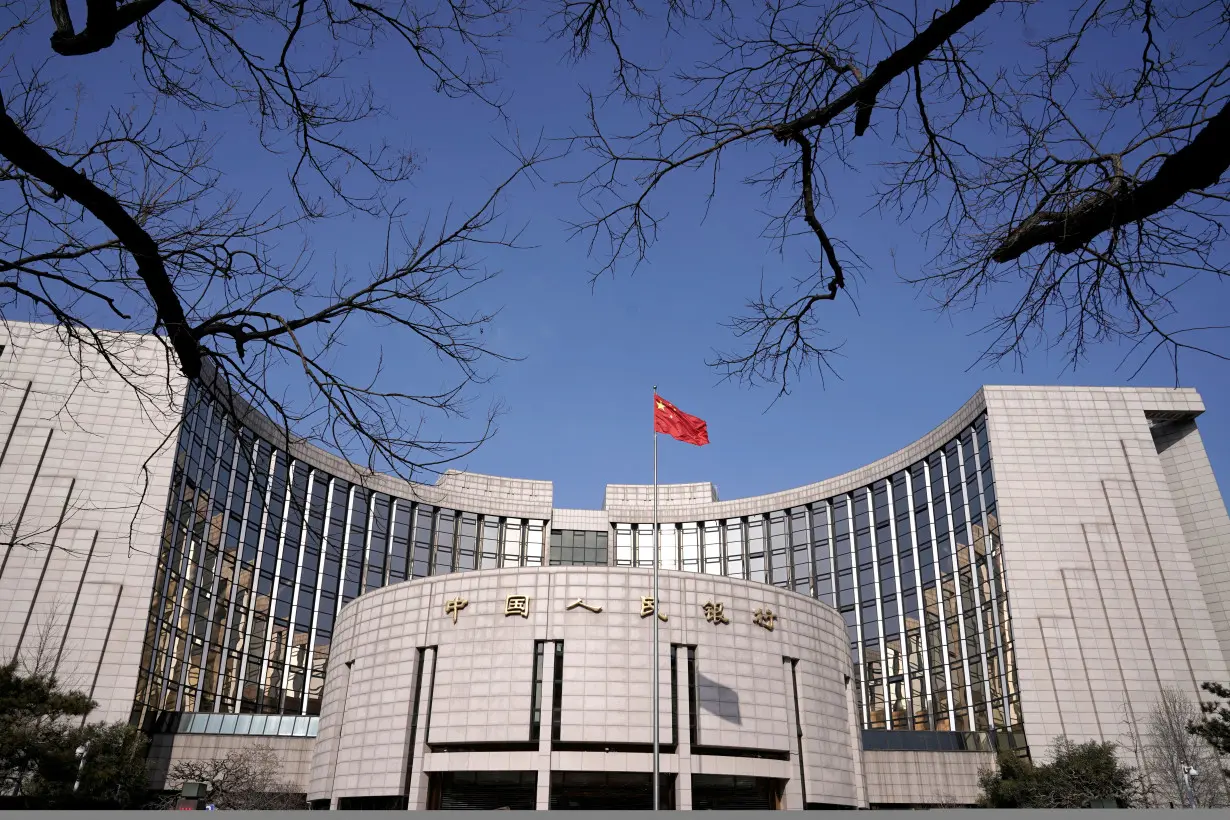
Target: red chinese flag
{"type": "Point", "coordinates": [669, 419]}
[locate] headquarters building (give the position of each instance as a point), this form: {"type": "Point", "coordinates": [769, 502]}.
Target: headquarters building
{"type": "Point", "coordinates": [1043, 563]}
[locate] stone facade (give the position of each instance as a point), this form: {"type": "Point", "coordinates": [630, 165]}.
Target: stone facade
{"type": "Point", "coordinates": [473, 684]}
{"type": "Point", "coordinates": [1044, 562]}
{"type": "Point", "coordinates": [1111, 599]}
{"type": "Point", "coordinates": [924, 778]}
{"type": "Point", "coordinates": [85, 451]}
{"type": "Point", "coordinates": [294, 754]}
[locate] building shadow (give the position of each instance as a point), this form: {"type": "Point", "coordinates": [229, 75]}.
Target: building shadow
{"type": "Point", "coordinates": [717, 699]}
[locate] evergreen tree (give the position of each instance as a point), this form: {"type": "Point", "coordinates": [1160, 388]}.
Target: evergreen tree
{"type": "Point", "coordinates": [1215, 728]}
{"type": "Point", "coordinates": [1079, 775]}
{"type": "Point", "coordinates": [50, 759]}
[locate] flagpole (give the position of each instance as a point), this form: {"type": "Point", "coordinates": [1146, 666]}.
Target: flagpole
{"type": "Point", "coordinates": [656, 609]}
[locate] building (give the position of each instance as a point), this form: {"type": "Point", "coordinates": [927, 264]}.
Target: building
{"type": "Point", "coordinates": [1041, 564]}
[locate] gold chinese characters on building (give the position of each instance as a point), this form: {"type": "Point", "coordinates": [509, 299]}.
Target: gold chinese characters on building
{"type": "Point", "coordinates": [765, 617]}
{"type": "Point", "coordinates": [714, 613]}
{"type": "Point", "coordinates": [517, 605]}
{"type": "Point", "coordinates": [648, 607]}
{"type": "Point", "coordinates": [453, 606]}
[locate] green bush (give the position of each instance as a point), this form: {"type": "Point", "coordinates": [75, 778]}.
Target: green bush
{"type": "Point", "coordinates": [1079, 775]}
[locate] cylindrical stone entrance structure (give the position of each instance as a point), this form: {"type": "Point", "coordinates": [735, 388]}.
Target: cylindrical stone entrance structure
{"type": "Point", "coordinates": [531, 688]}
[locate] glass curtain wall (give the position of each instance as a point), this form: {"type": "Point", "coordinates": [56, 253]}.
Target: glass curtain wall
{"type": "Point", "coordinates": [259, 553]}
{"type": "Point", "coordinates": [914, 564]}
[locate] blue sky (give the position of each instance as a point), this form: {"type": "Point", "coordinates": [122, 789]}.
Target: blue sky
{"type": "Point", "coordinates": [579, 403]}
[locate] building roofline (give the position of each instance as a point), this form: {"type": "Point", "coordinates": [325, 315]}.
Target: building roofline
{"type": "Point", "coordinates": [696, 501]}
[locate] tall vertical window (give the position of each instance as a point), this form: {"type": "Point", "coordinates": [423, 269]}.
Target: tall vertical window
{"type": "Point", "coordinates": [491, 543]}
{"type": "Point", "coordinates": [623, 546]}
{"type": "Point", "coordinates": [800, 552]}
{"type": "Point", "coordinates": [690, 540]}
{"type": "Point", "coordinates": [512, 543]}
{"type": "Point", "coordinates": [644, 545]}
{"type": "Point", "coordinates": [467, 543]}
{"type": "Point", "coordinates": [711, 534]}
{"type": "Point", "coordinates": [670, 546]}
{"type": "Point", "coordinates": [446, 521]}
{"type": "Point", "coordinates": [399, 541]}
{"type": "Point", "coordinates": [378, 542]}
{"type": "Point", "coordinates": [734, 549]}
{"type": "Point", "coordinates": [533, 544]}
{"type": "Point", "coordinates": [779, 560]}
{"type": "Point", "coordinates": [424, 519]}
{"type": "Point", "coordinates": [756, 568]}
{"type": "Point", "coordinates": [536, 694]}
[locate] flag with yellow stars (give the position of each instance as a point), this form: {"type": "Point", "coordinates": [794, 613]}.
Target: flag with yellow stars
{"type": "Point", "coordinates": [669, 419]}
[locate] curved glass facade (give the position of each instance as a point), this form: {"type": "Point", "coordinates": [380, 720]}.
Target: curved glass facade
{"type": "Point", "coordinates": [260, 551]}
{"type": "Point", "coordinates": [912, 561]}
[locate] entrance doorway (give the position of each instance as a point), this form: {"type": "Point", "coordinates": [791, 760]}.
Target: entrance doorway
{"type": "Point", "coordinates": [482, 790]}
{"type": "Point", "coordinates": [622, 791]}
{"type": "Point", "coordinates": [716, 791]}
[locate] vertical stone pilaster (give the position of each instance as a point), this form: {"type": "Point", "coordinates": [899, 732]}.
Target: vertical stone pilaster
{"type": "Point", "coordinates": [416, 788]}
{"type": "Point", "coordinates": [544, 737]}
{"type": "Point", "coordinates": [683, 751]}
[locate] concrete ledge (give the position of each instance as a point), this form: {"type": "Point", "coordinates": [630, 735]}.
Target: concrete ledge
{"type": "Point", "coordinates": [912, 778]}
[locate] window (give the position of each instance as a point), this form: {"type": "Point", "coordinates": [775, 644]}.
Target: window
{"type": "Point", "coordinates": [536, 704]}
{"type": "Point", "coordinates": [424, 520]}
{"type": "Point", "coordinates": [690, 539]}
{"type": "Point", "coordinates": [491, 543]}
{"type": "Point", "coordinates": [533, 544]}
{"type": "Point", "coordinates": [712, 534]}
{"type": "Point", "coordinates": [644, 545]}
{"type": "Point", "coordinates": [443, 559]}
{"type": "Point", "coordinates": [779, 561]}
{"type": "Point", "coordinates": [623, 545]}
{"type": "Point", "coordinates": [584, 548]}
{"type": "Point", "coordinates": [378, 542]}
{"type": "Point", "coordinates": [399, 541]}
{"type": "Point", "coordinates": [734, 549]}
{"type": "Point", "coordinates": [512, 543]}
{"type": "Point", "coordinates": [821, 548]}
{"type": "Point", "coordinates": [467, 543]}
{"type": "Point", "coordinates": [669, 533]}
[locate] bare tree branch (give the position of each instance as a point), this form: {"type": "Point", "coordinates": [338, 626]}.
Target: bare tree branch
{"type": "Point", "coordinates": [126, 214]}
{"type": "Point", "coordinates": [863, 95]}
{"type": "Point", "coordinates": [1068, 198]}
{"type": "Point", "coordinates": [29, 157]}
{"type": "Point", "coordinates": [1198, 165]}
{"type": "Point", "coordinates": [105, 19]}
{"type": "Point", "coordinates": [249, 779]}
